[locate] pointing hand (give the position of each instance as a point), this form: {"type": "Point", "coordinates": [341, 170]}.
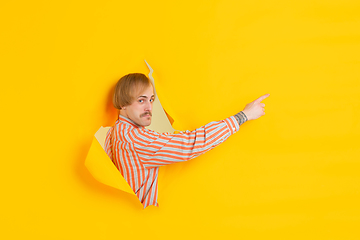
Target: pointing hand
{"type": "Point", "coordinates": [256, 108]}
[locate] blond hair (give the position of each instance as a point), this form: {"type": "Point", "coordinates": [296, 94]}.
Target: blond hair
{"type": "Point", "coordinates": [128, 87]}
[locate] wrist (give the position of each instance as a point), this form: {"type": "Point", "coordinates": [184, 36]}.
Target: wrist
{"type": "Point", "coordinates": [241, 117]}
{"type": "Point", "coordinates": [247, 114]}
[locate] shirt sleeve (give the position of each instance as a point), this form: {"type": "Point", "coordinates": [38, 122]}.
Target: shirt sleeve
{"type": "Point", "coordinates": [158, 149]}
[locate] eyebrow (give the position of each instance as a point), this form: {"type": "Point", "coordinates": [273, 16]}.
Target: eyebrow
{"type": "Point", "coordinates": [146, 96]}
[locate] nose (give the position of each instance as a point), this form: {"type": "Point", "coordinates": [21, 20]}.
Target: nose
{"type": "Point", "coordinates": [148, 106]}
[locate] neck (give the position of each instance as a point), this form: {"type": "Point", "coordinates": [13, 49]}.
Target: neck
{"type": "Point", "coordinates": [123, 113]}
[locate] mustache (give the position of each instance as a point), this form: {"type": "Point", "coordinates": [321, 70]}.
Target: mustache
{"type": "Point", "coordinates": [146, 113]}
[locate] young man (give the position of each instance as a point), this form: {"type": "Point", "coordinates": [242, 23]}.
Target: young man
{"type": "Point", "coordinates": [138, 152]}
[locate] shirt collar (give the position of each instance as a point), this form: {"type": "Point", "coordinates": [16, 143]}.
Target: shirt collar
{"type": "Point", "coordinates": [128, 121]}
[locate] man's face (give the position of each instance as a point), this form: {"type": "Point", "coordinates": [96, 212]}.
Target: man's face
{"type": "Point", "coordinates": [140, 111]}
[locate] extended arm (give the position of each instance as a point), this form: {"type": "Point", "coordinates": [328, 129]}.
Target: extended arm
{"type": "Point", "coordinates": [155, 149]}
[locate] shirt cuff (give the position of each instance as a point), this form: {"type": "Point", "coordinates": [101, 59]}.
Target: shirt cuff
{"type": "Point", "coordinates": [232, 124]}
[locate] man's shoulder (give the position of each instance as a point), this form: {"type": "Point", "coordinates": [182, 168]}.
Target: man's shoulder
{"type": "Point", "coordinates": [125, 128]}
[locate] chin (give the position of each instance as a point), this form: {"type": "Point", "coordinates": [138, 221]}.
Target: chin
{"type": "Point", "coordinates": [144, 123]}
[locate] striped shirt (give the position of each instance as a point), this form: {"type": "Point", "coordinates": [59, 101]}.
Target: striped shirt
{"type": "Point", "coordinates": [138, 152]}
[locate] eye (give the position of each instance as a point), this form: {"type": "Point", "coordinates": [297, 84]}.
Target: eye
{"type": "Point", "coordinates": [141, 100]}
{"type": "Point", "coordinates": [151, 100]}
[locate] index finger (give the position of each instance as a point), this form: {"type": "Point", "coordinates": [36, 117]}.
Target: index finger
{"type": "Point", "coordinates": [262, 98]}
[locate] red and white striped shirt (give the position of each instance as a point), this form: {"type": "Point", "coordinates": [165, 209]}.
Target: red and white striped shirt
{"type": "Point", "coordinates": [138, 152]}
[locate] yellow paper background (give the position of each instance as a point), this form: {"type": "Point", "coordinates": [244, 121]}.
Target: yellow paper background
{"type": "Point", "coordinates": [293, 174]}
